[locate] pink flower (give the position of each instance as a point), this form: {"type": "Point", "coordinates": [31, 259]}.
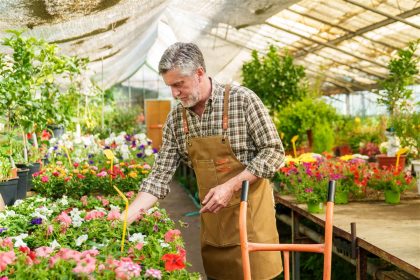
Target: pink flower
{"type": "Point", "coordinates": [171, 235]}
{"type": "Point", "coordinates": [113, 215]}
{"type": "Point", "coordinates": [4, 278]}
{"type": "Point", "coordinates": [64, 219]}
{"type": "Point", "coordinates": [129, 194]}
{"type": "Point", "coordinates": [50, 230]}
{"type": "Point", "coordinates": [139, 246]}
{"type": "Point", "coordinates": [91, 252]}
{"type": "Point", "coordinates": [154, 273]}
{"type": "Point", "coordinates": [6, 258]}
{"type": "Point", "coordinates": [43, 251]}
{"type": "Point", "coordinates": [6, 243]}
{"type": "Point", "coordinates": [127, 270]}
{"type": "Point", "coordinates": [94, 214]}
{"type": "Point", "coordinates": [84, 201]}
{"type": "Point", "coordinates": [56, 173]}
{"type": "Point", "coordinates": [86, 265]}
{"type": "Point", "coordinates": [105, 202]}
{"type": "Point", "coordinates": [102, 174]}
{"type": "Point", "coordinates": [44, 179]}
{"type": "Point", "coordinates": [146, 166]}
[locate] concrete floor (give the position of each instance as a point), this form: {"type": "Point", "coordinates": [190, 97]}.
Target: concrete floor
{"type": "Point", "coordinates": [177, 204]}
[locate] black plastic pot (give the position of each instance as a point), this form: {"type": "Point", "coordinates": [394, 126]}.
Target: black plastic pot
{"type": "Point", "coordinates": [8, 191]}
{"type": "Point", "coordinates": [22, 183]}
{"type": "Point", "coordinates": [57, 130]}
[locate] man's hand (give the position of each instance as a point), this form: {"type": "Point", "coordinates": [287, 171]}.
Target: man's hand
{"type": "Point", "coordinates": [218, 198]}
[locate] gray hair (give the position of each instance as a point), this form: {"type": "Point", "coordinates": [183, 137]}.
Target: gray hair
{"type": "Point", "coordinates": [185, 56]}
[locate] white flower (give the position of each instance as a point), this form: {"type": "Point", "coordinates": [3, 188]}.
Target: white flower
{"type": "Point", "coordinates": [42, 212]}
{"type": "Point", "coordinates": [140, 136]}
{"type": "Point", "coordinates": [163, 244]}
{"type": "Point", "coordinates": [19, 240]}
{"type": "Point", "coordinates": [114, 208]}
{"type": "Point", "coordinates": [63, 201]}
{"type": "Point", "coordinates": [54, 244]}
{"type": "Point", "coordinates": [148, 152]}
{"type": "Point", "coordinates": [18, 202]}
{"type": "Point", "coordinates": [10, 213]}
{"type": "Point", "coordinates": [137, 237]}
{"type": "Point", "coordinates": [2, 216]}
{"type": "Point", "coordinates": [81, 239]}
{"type": "Point", "coordinates": [77, 221]}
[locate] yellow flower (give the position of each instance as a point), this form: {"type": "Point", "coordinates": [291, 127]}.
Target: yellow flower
{"type": "Point", "coordinates": [346, 157]}
{"type": "Point", "coordinates": [132, 174]}
{"type": "Point", "coordinates": [122, 164]}
{"type": "Point", "coordinates": [75, 171]}
{"type": "Point", "coordinates": [84, 171]}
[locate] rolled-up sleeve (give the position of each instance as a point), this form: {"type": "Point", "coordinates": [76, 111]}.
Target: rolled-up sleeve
{"type": "Point", "coordinates": [165, 165]}
{"type": "Point", "coordinates": [270, 153]}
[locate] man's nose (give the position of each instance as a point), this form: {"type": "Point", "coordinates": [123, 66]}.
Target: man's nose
{"type": "Point", "coordinates": [175, 92]}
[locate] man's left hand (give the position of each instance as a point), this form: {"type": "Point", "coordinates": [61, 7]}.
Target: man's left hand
{"type": "Point", "coordinates": [217, 198]}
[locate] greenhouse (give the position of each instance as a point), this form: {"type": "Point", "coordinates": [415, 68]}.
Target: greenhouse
{"type": "Point", "coordinates": [210, 139]}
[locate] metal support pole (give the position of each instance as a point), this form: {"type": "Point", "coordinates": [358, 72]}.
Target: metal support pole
{"type": "Point", "coordinates": [295, 255]}
{"type": "Point", "coordinates": [353, 241]}
{"type": "Point", "coordinates": [361, 264]}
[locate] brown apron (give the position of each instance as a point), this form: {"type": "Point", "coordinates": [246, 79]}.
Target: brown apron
{"type": "Point", "coordinates": [214, 163]}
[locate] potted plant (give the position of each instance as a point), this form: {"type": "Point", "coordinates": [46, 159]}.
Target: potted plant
{"type": "Point", "coordinates": [392, 181]}
{"type": "Point", "coordinates": [397, 97]}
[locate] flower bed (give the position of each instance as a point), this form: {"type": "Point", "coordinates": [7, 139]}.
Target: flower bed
{"type": "Point", "coordinates": [84, 179]}
{"type": "Point", "coordinates": [45, 239]}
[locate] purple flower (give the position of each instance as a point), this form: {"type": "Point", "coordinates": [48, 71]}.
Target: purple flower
{"type": "Point", "coordinates": [139, 155]}
{"type": "Point", "coordinates": [141, 147]}
{"type": "Point", "coordinates": [90, 155]}
{"type": "Point", "coordinates": [91, 161]}
{"type": "Point", "coordinates": [149, 142]}
{"type": "Point", "coordinates": [155, 150]}
{"type": "Point", "coordinates": [36, 221]}
{"type": "Point", "coordinates": [55, 148]}
{"type": "Point", "coordinates": [127, 137]}
{"type": "Point", "coordinates": [3, 229]}
{"type": "Point", "coordinates": [107, 147]}
{"type": "Point", "coordinates": [336, 177]}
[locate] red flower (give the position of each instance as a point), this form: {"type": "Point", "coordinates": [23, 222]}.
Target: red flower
{"type": "Point", "coordinates": [45, 135]}
{"type": "Point", "coordinates": [81, 176]}
{"type": "Point", "coordinates": [173, 262]}
{"type": "Point", "coordinates": [75, 165]}
{"type": "Point", "coordinates": [56, 173]}
{"type": "Point", "coordinates": [44, 179]}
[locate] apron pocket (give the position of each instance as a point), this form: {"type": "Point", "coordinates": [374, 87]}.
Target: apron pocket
{"type": "Point", "coordinates": [226, 222]}
{"type": "Point", "coordinates": [206, 176]}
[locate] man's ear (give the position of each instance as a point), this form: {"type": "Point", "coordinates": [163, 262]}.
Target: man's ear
{"type": "Point", "coordinates": [200, 73]}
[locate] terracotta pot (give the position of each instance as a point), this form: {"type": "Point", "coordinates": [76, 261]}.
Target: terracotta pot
{"type": "Point", "coordinates": [389, 162]}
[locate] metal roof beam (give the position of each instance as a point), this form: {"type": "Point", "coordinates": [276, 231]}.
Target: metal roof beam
{"type": "Point", "coordinates": [328, 45]}
{"type": "Point", "coordinates": [350, 32]}
{"type": "Point", "coordinates": [396, 18]}
{"type": "Point", "coordinates": [367, 29]}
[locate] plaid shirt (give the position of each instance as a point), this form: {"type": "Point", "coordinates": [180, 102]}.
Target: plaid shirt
{"type": "Point", "coordinates": [252, 135]}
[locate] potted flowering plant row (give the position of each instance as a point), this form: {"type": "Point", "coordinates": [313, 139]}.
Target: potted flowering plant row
{"type": "Point", "coordinates": [83, 179]}
{"type": "Point", "coordinates": [308, 179]}
{"type": "Point", "coordinates": [81, 239]}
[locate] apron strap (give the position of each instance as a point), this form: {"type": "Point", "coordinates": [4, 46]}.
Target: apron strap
{"type": "Point", "coordinates": [226, 108]}
{"type": "Point", "coordinates": [184, 121]}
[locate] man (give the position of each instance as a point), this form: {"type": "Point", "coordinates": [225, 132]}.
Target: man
{"type": "Point", "coordinates": [226, 135]}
